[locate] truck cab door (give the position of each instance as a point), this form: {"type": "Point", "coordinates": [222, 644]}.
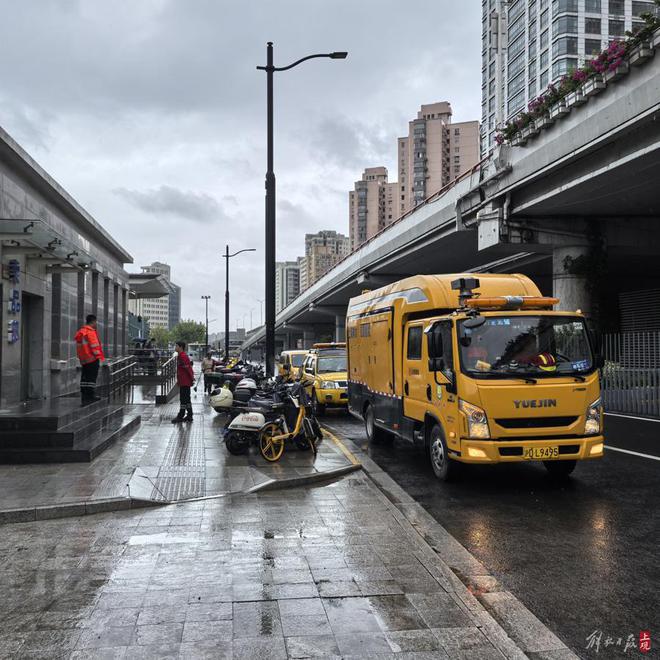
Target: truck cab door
{"type": "Point", "coordinates": [415, 401]}
{"type": "Point", "coordinates": [442, 382]}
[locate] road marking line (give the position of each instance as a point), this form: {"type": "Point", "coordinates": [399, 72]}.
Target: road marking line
{"type": "Point", "coordinates": [644, 419]}
{"type": "Point", "coordinates": [342, 447]}
{"type": "Point", "coordinates": [634, 453]}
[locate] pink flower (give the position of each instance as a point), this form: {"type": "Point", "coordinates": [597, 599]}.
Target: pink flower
{"type": "Point", "coordinates": [499, 138]}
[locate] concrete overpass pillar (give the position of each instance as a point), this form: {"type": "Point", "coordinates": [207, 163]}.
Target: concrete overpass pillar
{"type": "Point", "coordinates": [340, 327]}
{"type": "Point", "coordinates": [569, 280]}
{"type": "Point", "coordinates": [309, 338]}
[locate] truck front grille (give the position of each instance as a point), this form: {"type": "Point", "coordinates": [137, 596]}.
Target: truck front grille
{"type": "Point", "coordinates": [534, 422]}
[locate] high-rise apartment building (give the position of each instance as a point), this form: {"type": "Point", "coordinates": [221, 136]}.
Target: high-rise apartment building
{"type": "Point", "coordinates": [434, 153]}
{"type": "Point", "coordinates": [322, 252]}
{"type": "Point", "coordinates": [287, 283]}
{"type": "Point", "coordinates": [528, 44]}
{"type": "Point", "coordinates": [372, 205]}
{"type": "Point", "coordinates": [302, 271]}
{"type": "Point", "coordinates": [162, 312]}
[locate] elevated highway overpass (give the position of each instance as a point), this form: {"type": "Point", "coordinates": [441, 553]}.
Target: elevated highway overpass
{"type": "Point", "coordinates": [576, 207]}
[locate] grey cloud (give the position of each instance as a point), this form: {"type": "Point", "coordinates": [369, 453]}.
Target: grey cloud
{"type": "Point", "coordinates": [167, 200]}
{"type": "Point", "coordinates": [350, 143]}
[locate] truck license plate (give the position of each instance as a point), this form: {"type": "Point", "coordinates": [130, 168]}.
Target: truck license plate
{"type": "Point", "coordinates": [540, 453]}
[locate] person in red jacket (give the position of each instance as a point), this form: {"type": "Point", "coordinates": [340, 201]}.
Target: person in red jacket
{"type": "Point", "coordinates": [185, 379]}
{"type": "Point", "coordinates": [90, 354]}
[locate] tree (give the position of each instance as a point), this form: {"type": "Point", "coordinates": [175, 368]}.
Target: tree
{"type": "Point", "coordinates": [189, 331]}
{"type": "Point", "coordinates": [161, 336]}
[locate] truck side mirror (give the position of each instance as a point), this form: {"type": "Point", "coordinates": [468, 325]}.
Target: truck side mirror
{"type": "Point", "coordinates": [599, 361]}
{"type": "Point", "coordinates": [436, 364]}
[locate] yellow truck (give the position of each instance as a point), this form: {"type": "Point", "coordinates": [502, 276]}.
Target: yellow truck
{"type": "Point", "coordinates": [289, 363]}
{"type": "Point", "coordinates": [475, 369]}
{"type": "Point", "coordinates": [323, 375]}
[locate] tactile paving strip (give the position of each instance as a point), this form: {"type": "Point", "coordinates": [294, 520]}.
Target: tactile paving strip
{"type": "Point", "coordinates": [182, 473]}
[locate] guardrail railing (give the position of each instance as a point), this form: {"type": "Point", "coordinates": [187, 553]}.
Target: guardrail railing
{"type": "Point", "coordinates": [630, 378]}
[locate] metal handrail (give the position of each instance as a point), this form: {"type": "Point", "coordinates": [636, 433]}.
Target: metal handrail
{"type": "Point", "coordinates": [119, 375]}
{"type": "Point", "coordinates": [168, 376]}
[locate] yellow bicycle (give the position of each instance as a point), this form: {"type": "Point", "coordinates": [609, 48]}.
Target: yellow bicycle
{"type": "Point", "coordinates": [306, 430]}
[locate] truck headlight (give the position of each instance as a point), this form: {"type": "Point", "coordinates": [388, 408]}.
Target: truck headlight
{"type": "Point", "coordinates": [592, 424]}
{"type": "Point", "coordinates": [476, 420]}
{"type": "Point", "coordinates": [329, 385]}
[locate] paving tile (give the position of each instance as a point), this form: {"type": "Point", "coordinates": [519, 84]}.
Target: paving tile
{"type": "Point", "coordinates": [350, 615]}
{"type": "Point", "coordinates": [256, 619]}
{"type": "Point", "coordinates": [160, 651]}
{"type": "Point", "coordinates": [206, 650]}
{"type": "Point", "coordinates": [259, 648]}
{"type": "Point", "coordinates": [395, 613]}
{"type": "Point", "coordinates": [414, 641]}
{"type": "Point", "coordinates": [163, 634]}
{"type": "Point", "coordinates": [313, 646]}
{"type": "Point", "coordinates": [338, 589]}
{"type": "Point", "coordinates": [198, 631]}
{"type": "Point", "coordinates": [209, 611]}
{"type": "Point", "coordinates": [466, 642]}
{"type": "Point", "coordinates": [361, 645]}
{"type": "Point", "coordinates": [302, 607]}
{"type": "Point", "coordinates": [439, 610]}
{"type": "Point", "coordinates": [299, 626]}
{"type": "Point", "coordinates": [156, 615]}
{"type": "Point", "coordinates": [105, 637]}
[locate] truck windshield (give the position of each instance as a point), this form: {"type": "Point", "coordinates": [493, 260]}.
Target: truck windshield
{"type": "Point", "coordinates": [330, 364]}
{"type": "Point", "coordinates": [536, 346]}
{"type": "Point", "coordinates": [297, 360]}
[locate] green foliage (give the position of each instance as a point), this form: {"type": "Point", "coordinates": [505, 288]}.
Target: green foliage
{"type": "Point", "coordinates": [161, 337]}
{"type": "Point", "coordinates": [189, 331]}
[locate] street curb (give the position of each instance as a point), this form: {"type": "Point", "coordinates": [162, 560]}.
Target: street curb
{"type": "Point", "coordinates": [303, 480]}
{"type": "Point", "coordinates": [494, 609]}
{"type": "Point", "coordinates": [73, 509]}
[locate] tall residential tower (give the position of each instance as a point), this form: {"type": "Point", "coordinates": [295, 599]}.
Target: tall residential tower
{"type": "Point", "coordinates": [372, 205]}
{"type": "Point", "coordinates": [434, 153]}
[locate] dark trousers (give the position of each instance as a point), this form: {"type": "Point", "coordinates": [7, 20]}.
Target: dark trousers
{"type": "Point", "coordinates": [208, 383]}
{"type": "Point", "coordinates": [88, 378]}
{"type": "Point", "coordinates": [184, 400]}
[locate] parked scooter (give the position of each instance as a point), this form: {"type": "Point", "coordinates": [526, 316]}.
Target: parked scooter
{"type": "Point", "coordinates": [265, 415]}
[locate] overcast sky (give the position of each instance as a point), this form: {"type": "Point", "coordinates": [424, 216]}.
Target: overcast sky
{"type": "Point", "coordinates": [152, 115]}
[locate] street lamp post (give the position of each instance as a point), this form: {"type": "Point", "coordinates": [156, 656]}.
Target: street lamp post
{"type": "Point", "coordinates": [206, 300]}
{"type": "Point", "coordinates": [228, 256]}
{"type": "Point", "coordinates": [270, 197]}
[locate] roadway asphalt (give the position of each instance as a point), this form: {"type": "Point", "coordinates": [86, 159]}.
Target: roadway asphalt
{"type": "Point", "coordinates": [582, 555]}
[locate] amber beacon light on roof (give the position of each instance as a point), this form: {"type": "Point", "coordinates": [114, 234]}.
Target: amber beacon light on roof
{"type": "Point", "coordinates": [470, 300]}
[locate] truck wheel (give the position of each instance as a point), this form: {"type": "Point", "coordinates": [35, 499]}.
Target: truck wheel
{"type": "Point", "coordinates": [317, 408]}
{"type": "Point", "coordinates": [559, 469]}
{"type": "Point", "coordinates": [444, 467]}
{"type": "Point", "coordinates": [374, 433]}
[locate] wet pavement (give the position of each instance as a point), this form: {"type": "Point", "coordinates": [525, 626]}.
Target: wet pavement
{"type": "Point", "coordinates": [160, 461]}
{"type": "Point", "coordinates": [331, 571]}
{"type": "Point", "coordinates": [582, 556]}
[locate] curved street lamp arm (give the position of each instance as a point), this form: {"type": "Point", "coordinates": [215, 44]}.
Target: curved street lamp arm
{"type": "Point", "coordinates": [332, 56]}
{"type": "Point", "coordinates": [245, 250]}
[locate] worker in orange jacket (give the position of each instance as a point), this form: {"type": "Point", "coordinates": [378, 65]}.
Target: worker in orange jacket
{"type": "Point", "coordinates": [90, 354]}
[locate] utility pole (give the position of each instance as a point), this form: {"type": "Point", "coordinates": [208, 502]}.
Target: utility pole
{"type": "Point", "coordinates": [206, 300]}
{"type": "Point", "coordinates": [228, 256]}
{"type": "Point", "coordinates": [270, 198]}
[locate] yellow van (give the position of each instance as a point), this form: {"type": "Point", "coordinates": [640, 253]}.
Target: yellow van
{"type": "Point", "coordinates": [289, 363]}
{"type": "Point", "coordinates": [475, 369]}
{"type": "Point", "coordinates": [324, 376]}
